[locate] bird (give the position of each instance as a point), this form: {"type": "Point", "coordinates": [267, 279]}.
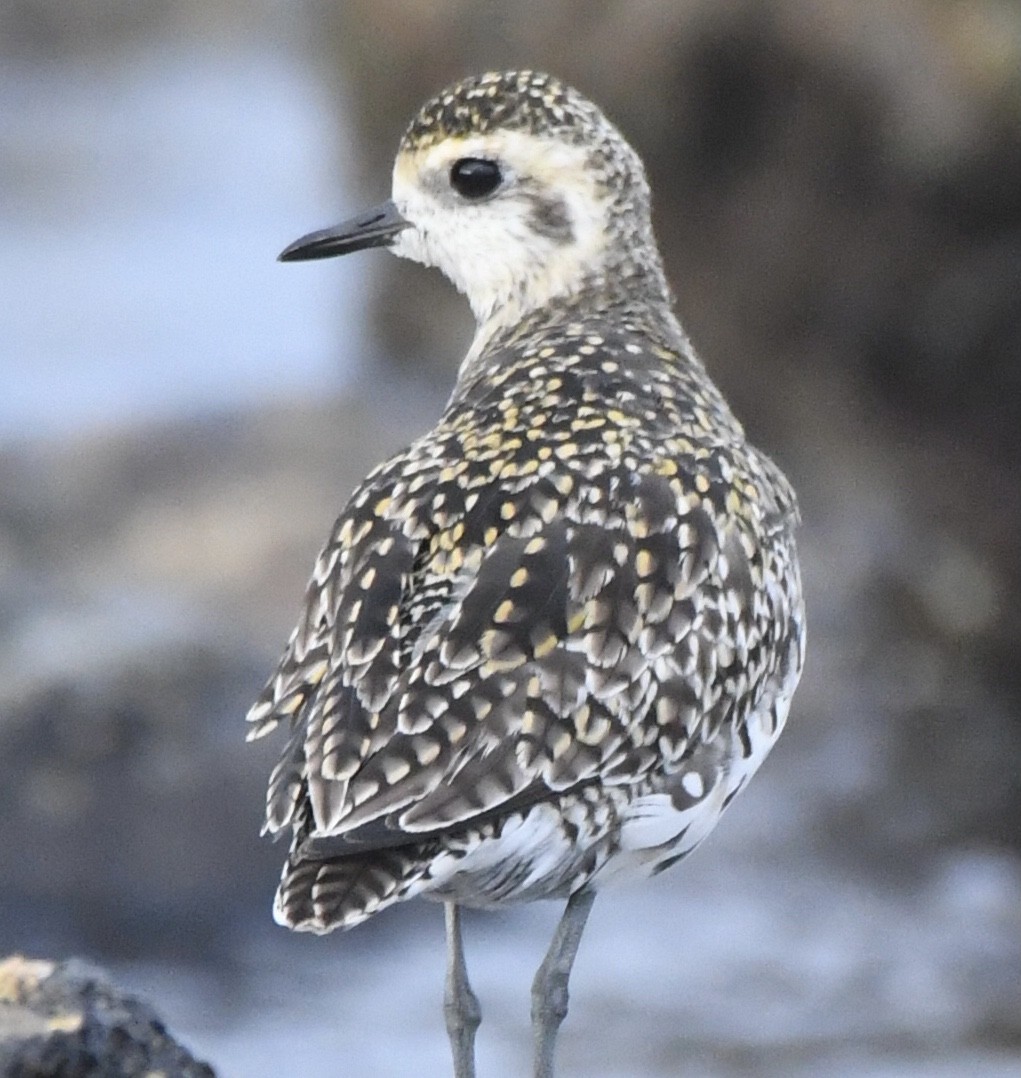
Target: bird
{"type": "Point", "coordinates": [547, 643]}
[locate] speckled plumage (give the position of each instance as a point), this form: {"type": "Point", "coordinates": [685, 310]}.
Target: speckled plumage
{"type": "Point", "coordinates": [548, 642]}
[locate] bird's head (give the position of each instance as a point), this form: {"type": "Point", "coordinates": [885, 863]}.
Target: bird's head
{"type": "Point", "coordinates": [519, 190]}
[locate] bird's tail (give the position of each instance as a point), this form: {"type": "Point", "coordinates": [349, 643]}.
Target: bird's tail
{"type": "Point", "coordinates": [319, 896]}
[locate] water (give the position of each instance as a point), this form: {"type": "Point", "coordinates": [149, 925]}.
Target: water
{"type": "Point", "coordinates": [143, 200]}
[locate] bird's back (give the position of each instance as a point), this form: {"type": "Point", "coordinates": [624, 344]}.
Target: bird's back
{"type": "Point", "coordinates": [545, 644]}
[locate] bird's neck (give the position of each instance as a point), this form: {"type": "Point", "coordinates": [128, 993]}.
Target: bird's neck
{"type": "Point", "coordinates": [624, 292]}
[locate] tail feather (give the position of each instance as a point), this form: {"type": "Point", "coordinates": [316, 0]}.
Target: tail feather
{"type": "Point", "coordinates": [319, 896]}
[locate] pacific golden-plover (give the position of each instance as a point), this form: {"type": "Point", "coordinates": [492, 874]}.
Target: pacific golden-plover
{"type": "Point", "coordinates": [548, 642]}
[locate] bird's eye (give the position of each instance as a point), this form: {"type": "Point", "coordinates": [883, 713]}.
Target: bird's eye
{"type": "Point", "coordinates": [474, 177]}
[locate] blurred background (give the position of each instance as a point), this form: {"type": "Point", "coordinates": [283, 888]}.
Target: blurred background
{"type": "Point", "coordinates": [838, 196]}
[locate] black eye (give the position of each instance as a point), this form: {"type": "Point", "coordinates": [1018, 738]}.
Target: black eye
{"type": "Point", "coordinates": [474, 177]}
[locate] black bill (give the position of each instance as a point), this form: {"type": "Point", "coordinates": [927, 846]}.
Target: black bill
{"type": "Point", "coordinates": [374, 228]}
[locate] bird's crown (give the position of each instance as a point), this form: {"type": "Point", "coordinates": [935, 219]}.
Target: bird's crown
{"type": "Point", "coordinates": [528, 101]}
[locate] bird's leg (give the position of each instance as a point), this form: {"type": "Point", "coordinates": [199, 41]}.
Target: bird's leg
{"type": "Point", "coordinates": [460, 1004]}
{"type": "Point", "coordinates": [549, 989]}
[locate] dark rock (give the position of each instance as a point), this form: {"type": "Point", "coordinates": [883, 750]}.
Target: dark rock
{"type": "Point", "coordinates": [67, 1020]}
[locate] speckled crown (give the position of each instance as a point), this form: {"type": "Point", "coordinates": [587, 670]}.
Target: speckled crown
{"type": "Point", "coordinates": [516, 100]}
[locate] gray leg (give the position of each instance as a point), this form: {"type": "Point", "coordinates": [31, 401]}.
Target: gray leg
{"type": "Point", "coordinates": [549, 989]}
{"type": "Point", "coordinates": [460, 1004]}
